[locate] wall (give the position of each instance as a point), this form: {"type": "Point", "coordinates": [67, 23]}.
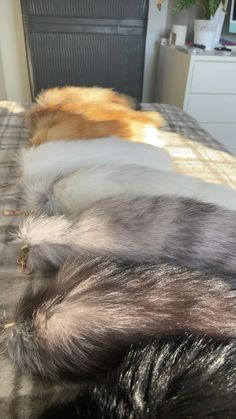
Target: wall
{"type": "Point", "coordinates": [156, 29]}
{"type": "Point", "coordinates": [3, 93]}
{"type": "Point", "coordinates": [14, 80]}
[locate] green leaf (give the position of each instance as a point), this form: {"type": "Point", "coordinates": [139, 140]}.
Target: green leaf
{"type": "Point", "coordinates": [182, 4]}
{"type": "Point", "coordinates": [213, 6]}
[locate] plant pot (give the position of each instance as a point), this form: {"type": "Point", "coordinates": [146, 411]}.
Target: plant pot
{"type": "Point", "coordinates": [205, 32]}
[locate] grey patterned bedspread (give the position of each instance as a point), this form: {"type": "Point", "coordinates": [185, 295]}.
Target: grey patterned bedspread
{"type": "Point", "coordinates": [193, 152]}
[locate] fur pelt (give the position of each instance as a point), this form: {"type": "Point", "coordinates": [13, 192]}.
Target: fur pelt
{"type": "Point", "coordinates": [54, 97]}
{"type": "Point", "coordinates": [59, 158]}
{"type": "Point", "coordinates": [83, 322]}
{"type": "Point", "coordinates": [81, 189]}
{"type": "Point", "coordinates": [164, 228]}
{"type": "Point", "coordinates": [68, 94]}
{"type": "Point", "coordinates": [95, 114]}
{"type": "Point", "coordinates": [174, 378]}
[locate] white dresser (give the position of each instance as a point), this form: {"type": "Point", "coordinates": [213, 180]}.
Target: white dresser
{"type": "Point", "coordinates": [204, 86]}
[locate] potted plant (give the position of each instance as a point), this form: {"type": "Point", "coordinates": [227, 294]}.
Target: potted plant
{"type": "Point", "coordinates": [207, 31]}
{"type": "Point", "coordinates": [209, 7]}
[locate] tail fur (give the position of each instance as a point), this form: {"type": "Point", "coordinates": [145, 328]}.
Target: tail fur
{"type": "Point", "coordinates": [39, 196]}
{"type": "Point", "coordinates": [84, 321]}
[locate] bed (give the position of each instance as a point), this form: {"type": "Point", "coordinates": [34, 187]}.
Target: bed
{"type": "Point", "coordinates": [193, 152]}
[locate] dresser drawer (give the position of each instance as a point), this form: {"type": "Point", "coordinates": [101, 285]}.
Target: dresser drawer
{"type": "Point", "coordinates": [225, 133]}
{"type": "Point", "coordinates": [213, 77]}
{"type": "Point", "coordinates": [212, 108]}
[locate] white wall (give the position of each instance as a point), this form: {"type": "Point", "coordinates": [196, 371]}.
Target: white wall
{"type": "Point", "coordinates": [156, 29]}
{"type": "Point", "coordinates": [14, 79]}
{"type": "Point", "coordinates": [3, 93]}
